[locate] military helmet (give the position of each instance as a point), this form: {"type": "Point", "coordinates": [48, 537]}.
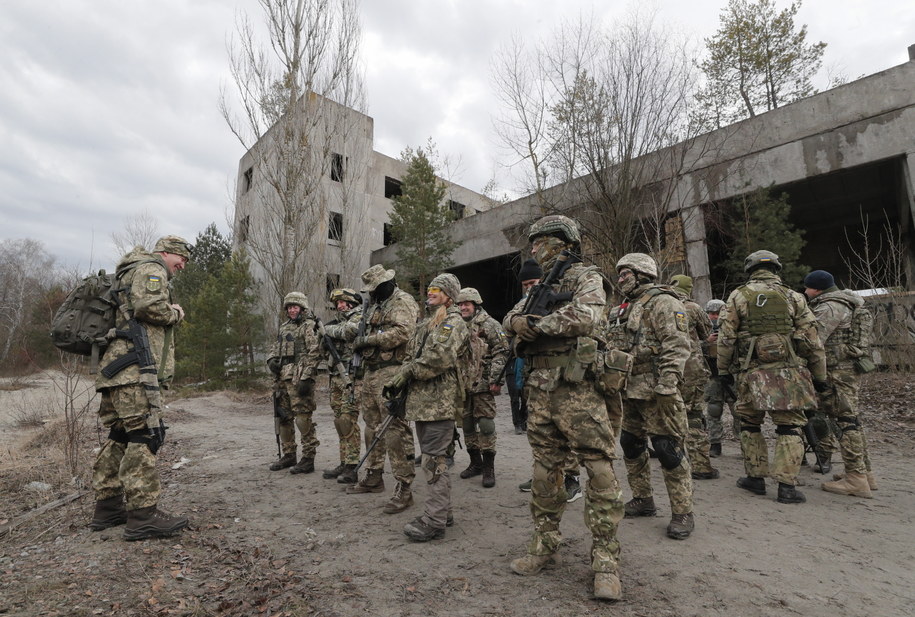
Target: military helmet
{"type": "Point", "coordinates": [714, 305]}
{"type": "Point", "coordinates": [296, 297]}
{"type": "Point", "coordinates": [469, 294]}
{"type": "Point", "coordinates": [555, 224]}
{"type": "Point", "coordinates": [761, 258]}
{"type": "Point", "coordinates": [639, 262]}
{"type": "Point", "coordinates": [347, 295]}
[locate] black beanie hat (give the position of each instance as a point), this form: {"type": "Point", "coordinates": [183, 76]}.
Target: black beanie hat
{"type": "Point", "coordinates": [819, 279]}
{"type": "Point", "coordinates": [530, 269]}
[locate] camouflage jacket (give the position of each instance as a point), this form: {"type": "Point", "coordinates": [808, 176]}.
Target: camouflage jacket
{"type": "Point", "coordinates": [699, 327]}
{"type": "Point", "coordinates": [389, 326]}
{"type": "Point", "coordinates": [298, 346]}
{"type": "Point", "coordinates": [653, 327]}
{"type": "Point", "coordinates": [739, 350]}
{"type": "Point", "coordinates": [149, 297]}
{"type": "Point", "coordinates": [343, 331]}
{"type": "Point", "coordinates": [493, 360]}
{"type": "Point", "coordinates": [432, 357]}
{"type": "Point", "coordinates": [833, 310]}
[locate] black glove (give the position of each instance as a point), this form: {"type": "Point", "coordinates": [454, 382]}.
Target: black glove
{"type": "Point", "coordinates": [306, 387]}
{"type": "Point", "coordinates": [821, 385]}
{"type": "Point", "coordinates": [726, 380]}
{"type": "Point", "coordinates": [275, 365]}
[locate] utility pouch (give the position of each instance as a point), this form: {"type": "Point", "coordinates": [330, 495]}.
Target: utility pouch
{"type": "Point", "coordinates": [612, 371]}
{"type": "Point", "coordinates": [864, 365]}
{"type": "Point", "coordinates": [581, 358]}
{"type": "Point", "coordinates": [772, 347]}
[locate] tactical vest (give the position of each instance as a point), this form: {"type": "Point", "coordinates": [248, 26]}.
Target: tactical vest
{"type": "Point", "coordinates": [770, 326]}
{"type": "Point", "coordinates": [643, 348]}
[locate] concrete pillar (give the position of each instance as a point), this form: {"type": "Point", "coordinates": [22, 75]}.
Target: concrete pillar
{"type": "Point", "coordinates": [908, 210]}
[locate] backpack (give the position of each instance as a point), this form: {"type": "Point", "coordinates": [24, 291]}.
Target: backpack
{"type": "Point", "coordinates": [859, 338]}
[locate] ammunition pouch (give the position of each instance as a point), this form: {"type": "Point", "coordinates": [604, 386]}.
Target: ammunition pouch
{"type": "Point", "coordinates": [772, 347]}
{"type": "Point", "coordinates": [153, 437]}
{"type": "Point", "coordinates": [864, 365]}
{"type": "Point", "coordinates": [582, 357]}
{"type": "Point", "coordinates": [612, 371]}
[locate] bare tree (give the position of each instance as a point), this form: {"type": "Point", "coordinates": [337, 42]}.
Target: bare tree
{"type": "Point", "coordinates": [305, 146]}
{"type": "Point", "coordinates": [140, 229]}
{"type": "Point", "coordinates": [26, 271]}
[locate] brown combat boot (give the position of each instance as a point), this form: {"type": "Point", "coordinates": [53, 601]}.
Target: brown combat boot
{"type": "Point", "coordinates": [532, 564]}
{"type": "Point", "coordinates": [476, 464]}
{"type": "Point", "coordinates": [348, 475]}
{"type": "Point", "coordinates": [306, 465]}
{"type": "Point", "coordinates": [638, 506]}
{"type": "Point", "coordinates": [871, 480]}
{"type": "Point", "coordinates": [607, 586]}
{"type": "Point", "coordinates": [151, 522]}
{"type": "Point", "coordinates": [371, 483]}
{"type": "Point", "coordinates": [489, 469]}
{"type": "Point", "coordinates": [109, 512]}
{"type": "Point", "coordinates": [287, 460]}
{"type": "Point", "coordinates": [853, 484]}
{"type": "Point", "coordinates": [681, 525]}
{"type": "Point", "coordinates": [400, 500]}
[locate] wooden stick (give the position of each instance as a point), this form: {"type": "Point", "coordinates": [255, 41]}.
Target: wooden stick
{"type": "Point", "coordinates": [5, 529]}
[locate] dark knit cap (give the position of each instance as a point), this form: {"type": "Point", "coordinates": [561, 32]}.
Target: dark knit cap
{"type": "Point", "coordinates": [530, 269]}
{"type": "Point", "coordinates": [819, 279]}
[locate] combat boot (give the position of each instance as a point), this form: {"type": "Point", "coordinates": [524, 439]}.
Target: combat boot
{"type": "Point", "coordinates": [489, 469]}
{"type": "Point", "coordinates": [714, 450]}
{"type": "Point", "coordinates": [607, 586]}
{"type": "Point", "coordinates": [306, 465]}
{"type": "Point", "coordinates": [532, 564]}
{"type": "Point", "coordinates": [151, 522]}
{"type": "Point", "coordinates": [706, 475]}
{"type": "Point", "coordinates": [109, 512]}
{"type": "Point", "coordinates": [853, 484]}
{"type": "Point", "coordinates": [789, 494]}
{"type": "Point", "coordinates": [680, 526]}
{"type": "Point", "coordinates": [287, 460]}
{"type": "Point", "coordinates": [400, 500]}
{"type": "Point", "coordinates": [871, 480]}
{"type": "Point", "coordinates": [348, 475]}
{"type": "Point", "coordinates": [371, 483]}
{"type": "Point", "coordinates": [330, 474]}
{"type": "Point", "coordinates": [638, 506]}
{"type": "Point", "coordinates": [754, 485]}
{"type": "Point", "coordinates": [419, 531]}
{"type": "Point", "coordinates": [476, 464]}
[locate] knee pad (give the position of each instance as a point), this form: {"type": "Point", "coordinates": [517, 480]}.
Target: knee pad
{"type": "Point", "coordinates": [487, 426]}
{"type": "Point", "coordinates": [600, 474]}
{"type": "Point", "coordinates": [668, 450]}
{"type": "Point", "coordinates": [750, 428]}
{"type": "Point", "coordinates": [434, 467]}
{"type": "Point", "coordinates": [469, 424]}
{"type": "Point", "coordinates": [715, 409]}
{"type": "Point", "coordinates": [548, 482]}
{"type": "Point", "coordinates": [118, 434]}
{"type": "Point", "coordinates": [632, 446]}
{"type": "Point", "coordinates": [344, 425]}
{"type": "Point", "coordinates": [786, 429]}
{"type": "Point", "coordinates": [847, 423]}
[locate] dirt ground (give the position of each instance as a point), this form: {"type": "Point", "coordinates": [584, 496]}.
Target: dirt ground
{"type": "Point", "coordinates": [271, 543]}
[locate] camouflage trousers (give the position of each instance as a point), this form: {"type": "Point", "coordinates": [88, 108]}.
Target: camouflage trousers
{"type": "Point", "coordinates": [302, 409]}
{"type": "Point", "coordinates": [479, 422]}
{"type": "Point", "coordinates": [717, 405]}
{"type": "Point", "coordinates": [697, 439]}
{"type": "Point", "coordinates": [399, 436]}
{"type": "Point", "coordinates": [840, 406]}
{"type": "Point", "coordinates": [570, 420]}
{"type": "Point", "coordinates": [789, 448]}
{"type": "Point", "coordinates": [122, 467]}
{"type": "Point", "coordinates": [644, 420]}
{"type": "Point", "coordinates": [346, 421]}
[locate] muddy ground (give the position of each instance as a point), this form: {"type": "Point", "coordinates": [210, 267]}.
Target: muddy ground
{"type": "Point", "coordinates": [271, 543]}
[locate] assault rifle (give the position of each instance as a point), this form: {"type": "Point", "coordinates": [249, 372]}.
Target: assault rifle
{"type": "Point", "coordinates": [355, 362]}
{"type": "Point", "coordinates": [396, 405]}
{"type": "Point", "coordinates": [813, 443]}
{"type": "Point", "coordinates": [279, 414]}
{"type": "Point", "coordinates": [328, 343]}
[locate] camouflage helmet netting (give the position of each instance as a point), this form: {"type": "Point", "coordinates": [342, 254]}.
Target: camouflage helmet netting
{"type": "Point", "coordinates": [639, 262]}
{"type": "Point", "coordinates": [555, 224]}
{"type": "Point", "coordinates": [347, 295]}
{"type": "Point", "coordinates": [296, 297]}
{"type": "Point", "coordinates": [469, 294]}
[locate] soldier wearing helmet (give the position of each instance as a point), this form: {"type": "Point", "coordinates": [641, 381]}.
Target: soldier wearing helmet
{"type": "Point", "coordinates": [293, 360]}
{"type": "Point", "coordinates": [715, 396]}
{"type": "Point", "coordinates": [489, 352]}
{"type": "Point", "coordinates": [769, 348]}
{"type": "Point", "coordinates": [654, 328]}
{"type": "Point", "coordinates": [566, 410]}
{"type": "Point", "coordinates": [342, 331]}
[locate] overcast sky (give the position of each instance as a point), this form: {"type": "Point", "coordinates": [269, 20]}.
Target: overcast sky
{"type": "Point", "coordinates": [109, 107]}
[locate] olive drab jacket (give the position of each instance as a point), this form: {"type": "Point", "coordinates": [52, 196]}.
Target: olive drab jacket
{"type": "Point", "coordinates": [432, 357]}
{"type": "Point", "coordinates": [343, 331]}
{"type": "Point", "coordinates": [493, 361]}
{"type": "Point", "coordinates": [299, 348]}
{"type": "Point", "coordinates": [833, 310]}
{"type": "Point", "coordinates": [148, 297]}
{"type": "Point", "coordinates": [389, 326]}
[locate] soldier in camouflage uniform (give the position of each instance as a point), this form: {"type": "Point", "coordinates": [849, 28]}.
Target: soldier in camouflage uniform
{"type": "Point", "coordinates": [479, 416]}
{"type": "Point", "coordinates": [715, 396]}
{"type": "Point", "coordinates": [125, 468]}
{"type": "Point", "coordinates": [293, 360]}
{"type": "Point", "coordinates": [435, 398]}
{"type": "Point", "coordinates": [342, 400]}
{"type": "Point", "coordinates": [390, 322]}
{"type": "Point", "coordinates": [695, 376]}
{"type": "Point", "coordinates": [567, 412]}
{"type": "Point", "coordinates": [656, 334]}
{"type": "Point", "coordinates": [768, 345]}
{"type": "Point", "coordinates": [833, 309]}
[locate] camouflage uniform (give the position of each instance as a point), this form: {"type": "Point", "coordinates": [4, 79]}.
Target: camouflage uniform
{"type": "Point", "coordinates": [346, 414]}
{"type": "Point", "coordinates": [480, 412]}
{"type": "Point", "coordinates": [770, 372]}
{"type": "Point", "coordinates": [567, 415]}
{"type": "Point", "coordinates": [299, 351]}
{"type": "Point", "coordinates": [126, 464]}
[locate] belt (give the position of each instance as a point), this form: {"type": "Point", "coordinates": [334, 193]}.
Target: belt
{"type": "Point", "coordinates": [379, 365]}
{"type": "Point", "coordinates": [641, 369]}
{"type": "Point", "coordinates": [548, 361]}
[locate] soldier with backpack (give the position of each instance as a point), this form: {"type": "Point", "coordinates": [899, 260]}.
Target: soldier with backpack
{"type": "Point", "coordinates": [844, 325]}
{"type": "Point", "coordinates": [138, 360]}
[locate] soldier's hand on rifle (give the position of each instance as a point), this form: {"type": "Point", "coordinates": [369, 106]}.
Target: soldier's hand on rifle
{"type": "Point", "coordinates": [525, 327]}
{"type": "Point", "coordinates": [180, 310]}
{"type": "Point", "coordinates": [306, 387]}
{"type": "Point", "coordinates": [275, 365]}
{"type": "Point", "coordinates": [361, 342]}
{"type": "Point", "coordinates": [395, 386]}
{"type": "Point", "coordinates": [821, 385]}
{"type": "Point", "coordinates": [495, 389]}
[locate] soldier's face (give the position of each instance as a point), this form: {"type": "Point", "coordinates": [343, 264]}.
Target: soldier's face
{"type": "Point", "coordinates": [435, 296]}
{"type": "Point", "coordinates": [526, 285]}
{"type": "Point", "coordinates": [466, 308]}
{"type": "Point", "coordinates": [293, 311]}
{"type": "Point", "coordinates": [811, 293]}
{"type": "Point", "coordinates": [174, 263]}
{"type": "Point", "coordinates": [342, 306]}
{"type": "Point", "coordinates": [713, 316]}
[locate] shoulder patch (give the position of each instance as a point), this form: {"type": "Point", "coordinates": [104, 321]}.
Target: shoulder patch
{"type": "Point", "coordinates": [680, 317]}
{"type": "Point", "coordinates": [153, 282]}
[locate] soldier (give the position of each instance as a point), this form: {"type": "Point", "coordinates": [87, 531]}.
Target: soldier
{"type": "Point", "coordinates": [656, 328]}
{"type": "Point", "coordinates": [435, 398]}
{"type": "Point", "coordinates": [714, 394]}
{"type": "Point", "coordinates": [293, 360]}
{"type": "Point", "coordinates": [342, 401]}
{"type": "Point", "coordinates": [766, 335]}
{"type": "Point", "coordinates": [529, 275]}
{"type": "Point", "coordinates": [834, 310]}
{"type": "Point", "coordinates": [479, 414]}
{"type": "Point", "coordinates": [567, 413]}
{"type": "Point", "coordinates": [695, 376]}
{"type": "Point", "coordinates": [390, 321]}
{"type": "Point", "coordinates": [125, 468]}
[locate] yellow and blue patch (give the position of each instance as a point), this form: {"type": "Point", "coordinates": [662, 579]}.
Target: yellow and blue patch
{"type": "Point", "coordinates": [153, 282]}
{"type": "Point", "coordinates": [680, 318]}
